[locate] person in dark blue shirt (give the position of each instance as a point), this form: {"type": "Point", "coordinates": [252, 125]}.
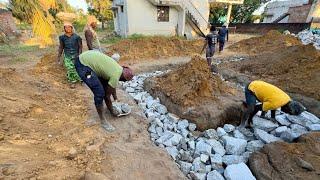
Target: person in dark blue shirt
{"type": "Point", "coordinates": [223, 35]}
{"type": "Point", "coordinates": [71, 46]}
{"type": "Point", "coordinates": [210, 44]}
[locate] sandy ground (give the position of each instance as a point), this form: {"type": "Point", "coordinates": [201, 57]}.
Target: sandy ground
{"type": "Point", "coordinates": [44, 129]}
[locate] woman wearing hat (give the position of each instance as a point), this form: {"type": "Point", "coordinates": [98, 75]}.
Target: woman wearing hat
{"type": "Point", "coordinates": [71, 46]}
{"type": "Point", "coordinates": [101, 74]}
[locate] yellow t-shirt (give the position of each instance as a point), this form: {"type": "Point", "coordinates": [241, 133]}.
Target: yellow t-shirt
{"type": "Point", "coordinates": [271, 97]}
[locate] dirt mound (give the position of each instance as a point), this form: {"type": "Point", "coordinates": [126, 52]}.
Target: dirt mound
{"type": "Point", "coordinates": [271, 41]}
{"type": "Point", "coordinates": [295, 69]}
{"type": "Point", "coordinates": [282, 160]}
{"type": "Point", "coordinates": [48, 67]}
{"type": "Point", "coordinates": [192, 92]}
{"type": "Point", "coordinates": [191, 83]}
{"type": "Point", "coordinates": [155, 47]}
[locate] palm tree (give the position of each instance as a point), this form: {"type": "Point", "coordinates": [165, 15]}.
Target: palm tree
{"type": "Point", "coordinates": [37, 13]}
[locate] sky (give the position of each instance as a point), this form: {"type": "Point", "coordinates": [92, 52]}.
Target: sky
{"type": "Point", "coordinates": [79, 4]}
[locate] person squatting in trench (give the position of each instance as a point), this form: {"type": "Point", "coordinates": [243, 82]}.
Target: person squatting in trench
{"type": "Point", "coordinates": [271, 98]}
{"type": "Point", "coordinates": [102, 74]}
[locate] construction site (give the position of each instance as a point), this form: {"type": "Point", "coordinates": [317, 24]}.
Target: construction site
{"type": "Point", "coordinates": [184, 118]}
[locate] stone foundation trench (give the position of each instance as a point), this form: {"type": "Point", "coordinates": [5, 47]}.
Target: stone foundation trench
{"type": "Point", "coordinates": [216, 154]}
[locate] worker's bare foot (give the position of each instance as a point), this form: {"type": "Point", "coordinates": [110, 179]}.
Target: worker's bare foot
{"type": "Point", "coordinates": [107, 126]}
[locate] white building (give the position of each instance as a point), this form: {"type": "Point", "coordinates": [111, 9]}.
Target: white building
{"type": "Point", "coordinates": [161, 17]}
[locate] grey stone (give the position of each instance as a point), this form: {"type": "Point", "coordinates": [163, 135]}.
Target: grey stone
{"type": "Point", "coordinates": [138, 97]}
{"type": "Point", "coordinates": [117, 108]}
{"type": "Point", "coordinates": [150, 103]}
{"type": "Point", "coordinates": [228, 128]}
{"type": "Point", "coordinates": [173, 152]}
{"type": "Point", "coordinates": [161, 109]}
{"type": "Point", "coordinates": [125, 108]}
{"type": "Point", "coordinates": [232, 159]}
{"type": "Point", "coordinates": [185, 167]}
{"type": "Point", "coordinates": [208, 168]}
{"type": "Point", "coordinates": [198, 176]}
{"type": "Point", "coordinates": [265, 137]}
{"type": "Point", "coordinates": [299, 120]}
{"type": "Point", "coordinates": [192, 145]}
{"type": "Point", "coordinates": [203, 148]}
{"type": "Point", "coordinates": [153, 135]}
{"type": "Point", "coordinates": [192, 127]}
{"type": "Point", "coordinates": [166, 135]}
{"type": "Point", "coordinates": [238, 172]}
{"type": "Point", "coordinates": [234, 146]}
{"type": "Point", "coordinates": [264, 124]}
{"type": "Point", "coordinates": [221, 132]}
{"type": "Point", "coordinates": [216, 161]}
{"type": "Point", "coordinates": [238, 134]}
{"type": "Point", "coordinates": [211, 134]}
{"type": "Point", "coordinates": [280, 130]}
{"type": "Point", "coordinates": [253, 146]}
{"type": "Point", "coordinates": [183, 144]}
{"type": "Point", "coordinates": [314, 127]}
{"type": "Point", "coordinates": [158, 122]}
{"type": "Point", "coordinates": [216, 146]}
{"type": "Point", "coordinates": [296, 131]}
{"type": "Point", "coordinates": [152, 128]}
{"type": "Point", "coordinates": [214, 175]}
{"type": "Point", "coordinates": [183, 124]}
{"type": "Point", "coordinates": [175, 140]}
{"type": "Point", "coordinates": [283, 120]}
{"type": "Point", "coordinates": [130, 90]}
{"type": "Point", "coordinates": [198, 166]}
{"type": "Point", "coordinates": [186, 156]}
{"type": "Point", "coordinates": [314, 119]}
{"type": "Point", "coordinates": [184, 132]}
{"type": "Point", "coordinates": [204, 158]}
{"type": "Point", "coordinates": [159, 131]}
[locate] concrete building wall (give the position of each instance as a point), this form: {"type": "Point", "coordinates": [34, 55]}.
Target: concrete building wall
{"type": "Point", "coordinates": [142, 19]}
{"type": "Point", "coordinates": [299, 14]}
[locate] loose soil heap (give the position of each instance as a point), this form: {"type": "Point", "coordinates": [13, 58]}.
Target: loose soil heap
{"type": "Point", "coordinates": [271, 41]}
{"type": "Point", "coordinates": [155, 47]}
{"type": "Point", "coordinates": [295, 68]}
{"type": "Point", "coordinates": [191, 84]}
{"type": "Point", "coordinates": [280, 160]}
{"type": "Point", "coordinates": [192, 92]}
{"type": "Point", "coordinates": [41, 121]}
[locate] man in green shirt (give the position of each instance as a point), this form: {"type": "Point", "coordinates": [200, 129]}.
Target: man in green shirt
{"type": "Point", "coordinates": [102, 74]}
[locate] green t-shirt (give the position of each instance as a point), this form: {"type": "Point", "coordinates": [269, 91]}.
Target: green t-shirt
{"type": "Point", "coordinates": [103, 65]}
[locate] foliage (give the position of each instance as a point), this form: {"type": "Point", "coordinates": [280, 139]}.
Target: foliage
{"type": "Point", "coordinates": [243, 13]}
{"type": "Point", "coordinates": [101, 9]}
{"type": "Point", "coordinates": [240, 13]}
{"type": "Point", "coordinates": [36, 12]}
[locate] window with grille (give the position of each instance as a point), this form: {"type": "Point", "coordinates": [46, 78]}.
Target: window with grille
{"type": "Point", "coordinates": [163, 13]}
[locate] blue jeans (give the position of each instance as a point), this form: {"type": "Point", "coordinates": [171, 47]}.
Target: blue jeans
{"type": "Point", "coordinates": [91, 79]}
{"type": "Point", "coordinates": [251, 99]}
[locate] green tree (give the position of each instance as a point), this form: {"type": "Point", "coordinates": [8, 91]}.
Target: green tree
{"type": "Point", "coordinates": [101, 9]}
{"type": "Point", "coordinates": [240, 13]}
{"type": "Point", "coordinates": [243, 13]}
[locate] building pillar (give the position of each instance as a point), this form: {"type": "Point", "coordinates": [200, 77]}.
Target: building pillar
{"type": "Point", "coordinates": [229, 14]}
{"type": "Point", "coordinates": [182, 22]}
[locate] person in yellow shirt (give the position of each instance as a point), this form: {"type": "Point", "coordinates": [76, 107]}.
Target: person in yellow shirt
{"type": "Point", "coordinates": [271, 98]}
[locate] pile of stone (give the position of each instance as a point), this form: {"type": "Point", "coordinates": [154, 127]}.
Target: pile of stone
{"type": "Point", "coordinates": [220, 153]}
{"type": "Point", "coordinates": [307, 37]}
